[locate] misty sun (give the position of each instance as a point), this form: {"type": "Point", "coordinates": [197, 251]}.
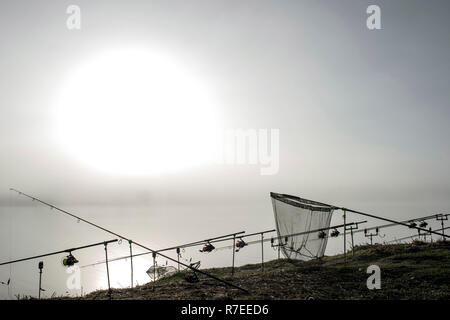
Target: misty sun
{"type": "Point", "coordinates": [136, 112]}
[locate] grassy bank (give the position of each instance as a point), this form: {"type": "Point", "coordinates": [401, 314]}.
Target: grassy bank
{"type": "Point", "coordinates": [408, 271]}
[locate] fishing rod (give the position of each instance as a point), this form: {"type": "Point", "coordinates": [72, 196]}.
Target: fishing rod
{"type": "Point", "coordinates": [409, 237]}
{"type": "Point", "coordinates": [187, 245]}
{"type": "Point", "coordinates": [197, 243]}
{"type": "Point", "coordinates": [394, 224]}
{"type": "Point", "coordinates": [301, 233]}
{"type": "Point", "coordinates": [129, 240]}
{"type": "Point", "coordinates": [321, 231]}
{"type": "Point", "coordinates": [390, 224]}
{"type": "Point", "coordinates": [393, 221]}
{"type": "Point", "coordinates": [244, 236]}
{"type": "Point", "coordinates": [425, 218]}
{"type": "Point", "coordinates": [257, 233]}
{"type": "Point", "coordinates": [68, 261]}
{"type": "Point", "coordinates": [58, 252]}
{"type": "Point", "coordinates": [276, 195]}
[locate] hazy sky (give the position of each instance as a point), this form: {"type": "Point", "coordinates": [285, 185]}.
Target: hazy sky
{"type": "Point", "coordinates": [362, 114]}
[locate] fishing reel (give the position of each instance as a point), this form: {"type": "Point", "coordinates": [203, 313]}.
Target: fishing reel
{"type": "Point", "coordinates": [193, 277]}
{"type": "Point", "coordinates": [208, 247]}
{"type": "Point", "coordinates": [335, 233]}
{"type": "Point", "coordinates": [322, 235]}
{"type": "Point", "coordinates": [412, 225]}
{"type": "Point", "coordinates": [69, 260]}
{"type": "Point", "coordinates": [280, 242]}
{"type": "Point", "coordinates": [240, 244]}
{"type": "Point", "coordinates": [423, 224]}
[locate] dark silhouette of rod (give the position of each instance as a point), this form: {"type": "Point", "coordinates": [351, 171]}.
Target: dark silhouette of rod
{"type": "Point", "coordinates": [257, 233]}
{"type": "Point", "coordinates": [300, 233]}
{"type": "Point", "coordinates": [393, 221]}
{"type": "Point", "coordinates": [177, 248]}
{"type": "Point", "coordinates": [200, 242]}
{"type": "Point", "coordinates": [409, 237]}
{"type": "Point", "coordinates": [245, 235]}
{"type": "Point", "coordinates": [125, 238]}
{"type": "Point", "coordinates": [58, 252]}
{"type": "Point", "coordinates": [404, 221]}
{"type": "Point", "coordinates": [352, 232]}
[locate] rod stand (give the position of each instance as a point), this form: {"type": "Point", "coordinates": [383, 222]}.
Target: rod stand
{"type": "Point", "coordinates": [262, 251]}
{"type": "Point", "coordinates": [345, 236]}
{"type": "Point", "coordinates": [424, 234]}
{"type": "Point", "coordinates": [130, 242]}
{"type": "Point", "coordinates": [442, 217]}
{"type": "Point", "coordinates": [279, 244]}
{"type": "Point", "coordinates": [234, 252]}
{"type": "Point", "coordinates": [154, 269]}
{"type": "Point", "coordinates": [371, 235]}
{"type": "Point", "coordinates": [351, 236]}
{"type": "Point", "coordinates": [107, 270]}
{"type": "Point", "coordinates": [40, 266]}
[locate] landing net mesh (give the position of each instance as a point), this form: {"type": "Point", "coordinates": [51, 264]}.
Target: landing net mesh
{"type": "Point", "coordinates": [295, 215]}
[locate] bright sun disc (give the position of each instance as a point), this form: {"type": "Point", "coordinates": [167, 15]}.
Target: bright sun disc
{"type": "Point", "coordinates": [136, 112]}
